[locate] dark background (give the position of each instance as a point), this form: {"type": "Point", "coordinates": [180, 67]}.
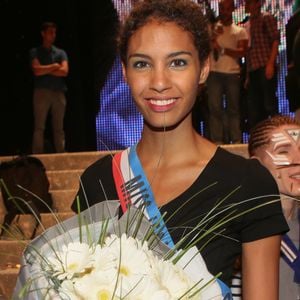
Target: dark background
{"type": "Point", "coordinates": [87, 32]}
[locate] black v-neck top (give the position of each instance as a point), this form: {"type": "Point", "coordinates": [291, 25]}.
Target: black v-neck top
{"type": "Point", "coordinates": [226, 180]}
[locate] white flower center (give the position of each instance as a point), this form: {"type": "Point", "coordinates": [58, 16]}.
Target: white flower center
{"type": "Point", "coordinates": [124, 271]}
{"type": "Point", "coordinates": [103, 295]}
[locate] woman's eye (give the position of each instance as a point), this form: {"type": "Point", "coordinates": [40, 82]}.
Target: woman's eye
{"type": "Point", "coordinates": [140, 64]}
{"type": "Point", "coordinates": [178, 63]}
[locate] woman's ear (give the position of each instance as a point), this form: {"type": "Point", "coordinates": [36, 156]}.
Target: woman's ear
{"type": "Point", "coordinates": [204, 72]}
{"type": "Point", "coordinates": [124, 71]}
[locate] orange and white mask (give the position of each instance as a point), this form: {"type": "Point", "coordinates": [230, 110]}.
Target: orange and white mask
{"type": "Point", "coordinates": [282, 158]}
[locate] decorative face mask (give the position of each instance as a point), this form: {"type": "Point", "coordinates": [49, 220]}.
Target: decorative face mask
{"type": "Point", "coordinates": [282, 158]}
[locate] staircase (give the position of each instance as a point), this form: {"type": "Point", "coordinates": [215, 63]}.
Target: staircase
{"type": "Point", "coordinates": [63, 171]}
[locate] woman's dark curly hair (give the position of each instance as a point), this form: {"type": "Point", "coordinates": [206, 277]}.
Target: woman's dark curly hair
{"type": "Point", "coordinates": [185, 13]}
{"type": "Point", "coordinates": [260, 134]}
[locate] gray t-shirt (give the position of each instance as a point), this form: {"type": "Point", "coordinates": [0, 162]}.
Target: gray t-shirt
{"type": "Point", "coordinates": [46, 57]}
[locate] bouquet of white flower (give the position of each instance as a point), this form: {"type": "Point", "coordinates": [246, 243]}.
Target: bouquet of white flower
{"type": "Point", "coordinates": [96, 255]}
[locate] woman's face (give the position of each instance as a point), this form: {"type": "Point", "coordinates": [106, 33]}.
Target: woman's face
{"type": "Point", "coordinates": [282, 158]}
{"type": "Point", "coordinates": [163, 73]}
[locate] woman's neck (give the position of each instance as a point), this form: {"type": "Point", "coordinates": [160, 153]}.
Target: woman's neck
{"type": "Point", "coordinates": [172, 162]}
{"type": "Point", "coordinates": [170, 146]}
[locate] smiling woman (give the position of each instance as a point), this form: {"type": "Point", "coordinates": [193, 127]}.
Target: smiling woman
{"type": "Point", "coordinates": [163, 75]}
{"type": "Point", "coordinates": [175, 172]}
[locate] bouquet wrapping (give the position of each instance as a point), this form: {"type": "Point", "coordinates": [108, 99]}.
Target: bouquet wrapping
{"type": "Point", "coordinates": [97, 255]}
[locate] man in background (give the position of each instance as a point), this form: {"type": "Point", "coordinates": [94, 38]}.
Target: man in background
{"type": "Point", "coordinates": [293, 64]}
{"type": "Point", "coordinates": [229, 45]}
{"type": "Point", "coordinates": [261, 64]}
{"type": "Point", "coordinates": [49, 65]}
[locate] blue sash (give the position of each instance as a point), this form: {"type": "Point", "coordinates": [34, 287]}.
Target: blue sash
{"type": "Point", "coordinates": [151, 207]}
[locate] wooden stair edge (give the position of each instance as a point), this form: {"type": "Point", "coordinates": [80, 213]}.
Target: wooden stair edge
{"type": "Point", "coordinates": [229, 147]}
{"type": "Point", "coordinates": [8, 279]}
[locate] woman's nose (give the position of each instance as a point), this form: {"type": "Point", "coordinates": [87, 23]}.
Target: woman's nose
{"type": "Point", "coordinates": [160, 79]}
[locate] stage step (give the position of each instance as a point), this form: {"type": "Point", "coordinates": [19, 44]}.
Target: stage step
{"type": "Point", "coordinates": [63, 199]}
{"type": "Point", "coordinates": [8, 278]}
{"type": "Point", "coordinates": [81, 160]}
{"type": "Point", "coordinates": [11, 248]}
{"type": "Point", "coordinates": [64, 179]}
{"type": "Point", "coordinates": [27, 222]}
{"type": "Point", "coordinates": [11, 251]}
{"type": "Point", "coordinates": [66, 160]}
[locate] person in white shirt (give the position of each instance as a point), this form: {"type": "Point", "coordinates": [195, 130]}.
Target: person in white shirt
{"type": "Point", "coordinates": [229, 44]}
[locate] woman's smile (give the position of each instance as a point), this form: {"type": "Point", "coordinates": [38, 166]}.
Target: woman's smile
{"type": "Point", "coordinates": [162, 105]}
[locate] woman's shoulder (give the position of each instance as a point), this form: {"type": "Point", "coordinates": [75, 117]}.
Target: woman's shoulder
{"type": "Point", "coordinates": [247, 169]}
{"type": "Point", "coordinates": [100, 166]}
{"type": "Point", "coordinates": [235, 161]}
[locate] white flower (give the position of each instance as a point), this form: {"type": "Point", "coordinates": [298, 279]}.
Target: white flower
{"type": "Point", "coordinates": [172, 278]}
{"type": "Point", "coordinates": [75, 258]}
{"type": "Point", "coordinates": [130, 255]}
{"type": "Point", "coordinates": [95, 286]}
{"type": "Point", "coordinates": [67, 291]}
{"type": "Point", "coordinates": [104, 259]}
{"type": "Point", "coordinates": [131, 263]}
{"type": "Point", "coordinates": [194, 266]}
{"type": "Point", "coordinates": [149, 288]}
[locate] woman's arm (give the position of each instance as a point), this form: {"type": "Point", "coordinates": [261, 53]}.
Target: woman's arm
{"type": "Point", "coordinates": [260, 268]}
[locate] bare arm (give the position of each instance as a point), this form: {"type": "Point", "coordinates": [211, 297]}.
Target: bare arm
{"type": "Point", "coordinates": [270, 67]}
{"type": "Point", "coordinates": [260, 267]}
{"type": "Point", "coordinates": [240, 51]}
{"type": "Point", "coordinates": [62, 71]}
{"type": "Point", "coordinates": [39, 70]}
